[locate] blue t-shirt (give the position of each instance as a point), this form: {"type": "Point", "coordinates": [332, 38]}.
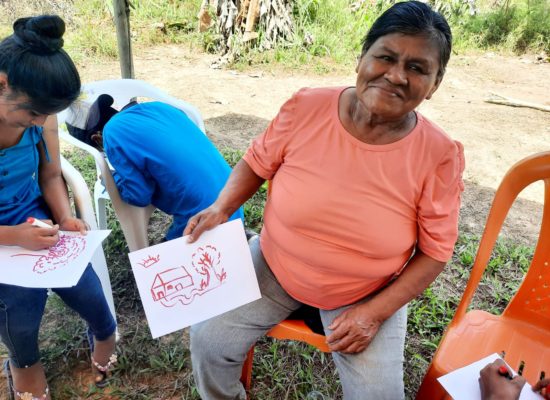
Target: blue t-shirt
{"type": "Point", "coordinates": [20, 195]}
{"type": "Point", "coordinates": [162, 158]}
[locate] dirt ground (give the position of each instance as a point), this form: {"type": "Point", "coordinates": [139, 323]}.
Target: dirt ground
{"type": "Point", "coordinates": [236, 106]}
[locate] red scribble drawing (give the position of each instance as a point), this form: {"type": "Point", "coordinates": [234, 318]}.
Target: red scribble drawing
{"type": "Point", "coordinates": [182, 285]}
{"type": "Point", "coordinates": [64, 251]}
{"type": "Point", "coordinates": [149, 261]}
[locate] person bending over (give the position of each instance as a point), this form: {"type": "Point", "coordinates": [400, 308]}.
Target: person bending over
{"type": "Point", "coordinates": [159, 157]}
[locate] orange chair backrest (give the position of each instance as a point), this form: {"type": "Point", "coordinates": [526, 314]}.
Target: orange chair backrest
{"type": "Point", "coordinates": [531, 302]}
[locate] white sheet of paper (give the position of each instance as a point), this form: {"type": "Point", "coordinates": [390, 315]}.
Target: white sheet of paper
{"type": "Point", "coordinates": [182, 283]}
{"type": "Point", "coordinates": [59, 266]}
{"type": "Point", "coordinates": [463, 384]}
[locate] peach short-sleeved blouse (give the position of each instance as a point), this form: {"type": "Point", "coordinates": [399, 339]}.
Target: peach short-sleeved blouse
{"type": "Point", "coordinates": [343, 216]}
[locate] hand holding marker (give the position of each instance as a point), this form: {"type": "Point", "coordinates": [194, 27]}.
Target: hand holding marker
{"type": "Point", "coordinates": [503, 371]}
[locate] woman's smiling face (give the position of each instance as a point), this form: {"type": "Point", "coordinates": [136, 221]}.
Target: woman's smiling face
{"type": "Point", "coordinates": [397, 73]}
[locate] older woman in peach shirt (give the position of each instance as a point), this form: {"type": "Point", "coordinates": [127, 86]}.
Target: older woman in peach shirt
{"type": "Point", "coordinates": [361, 218]}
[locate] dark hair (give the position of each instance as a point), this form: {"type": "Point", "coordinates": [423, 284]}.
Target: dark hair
{"type": "Point", "coordinates": [99, 113]}
{"type": "Point", "coordinates": [413, 18]}
{"type": "Point", "coordinates": [37, 66]}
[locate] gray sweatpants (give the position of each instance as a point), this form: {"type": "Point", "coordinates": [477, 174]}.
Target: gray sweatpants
{"type": "Point", "coordinates": [219, 345]}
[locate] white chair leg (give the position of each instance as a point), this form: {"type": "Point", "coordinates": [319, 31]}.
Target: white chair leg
{"type": "Point", "coordinates": [101, 207]}
{"type": "Point", "coordinates": [100, 201]}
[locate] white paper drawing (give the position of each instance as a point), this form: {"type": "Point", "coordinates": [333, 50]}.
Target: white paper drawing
{"type": "Point", "coordinates": [463, 384]}
{"type": "Point", "coordinates": [181, 283]}
{"type": "Point", "coordinates": [61, 265]}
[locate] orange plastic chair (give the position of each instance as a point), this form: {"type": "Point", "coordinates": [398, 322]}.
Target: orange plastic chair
{"type": "Point", "coordinates": [290, 330]}
{"type": "Point", "coordinates": [522, 331]}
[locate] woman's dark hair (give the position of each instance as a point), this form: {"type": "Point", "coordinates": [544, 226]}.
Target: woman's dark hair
{"type": "Point", "coordinates": [413, 18]}
{"type": "Point", "coordinates": [37, 66]}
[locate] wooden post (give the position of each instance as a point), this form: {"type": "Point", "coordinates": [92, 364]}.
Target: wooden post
{"type": "Point", "coordinates": [122, 21]}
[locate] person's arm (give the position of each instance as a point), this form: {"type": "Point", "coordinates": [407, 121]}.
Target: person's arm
{"type": "Point", "coordinates": [354, 329]}
{"type": "Point", "coordinates": [495, 386]}
{"type": "Point", "coordinates": [52, 183]}
{"type": "Point", "coordinates": [241, 185]}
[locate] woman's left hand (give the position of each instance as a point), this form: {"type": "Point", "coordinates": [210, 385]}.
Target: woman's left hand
{"type": "Point", "coordinates": [353, 330]}
{"type": "Point", "coordinates": [73, 224]}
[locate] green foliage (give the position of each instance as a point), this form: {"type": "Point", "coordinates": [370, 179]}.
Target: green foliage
{"type": "Point", "coordinates": [83, 162]}
{"type": "Point", "coordinates": [518, 26]}
{"type": "Point", "coordinates": [151, 22]}
{"type": "Point", "coordinates": [292, 370]}
{"type": "Point", "coordinates": [452, 10]}
{"type": "Point", "coordinates": [327, 35]}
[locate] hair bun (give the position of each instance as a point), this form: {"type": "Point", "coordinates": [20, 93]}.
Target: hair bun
{"type": "Point", "coordinates": [41, 35]}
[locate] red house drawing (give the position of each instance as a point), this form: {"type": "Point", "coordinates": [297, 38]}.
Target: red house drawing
{"type": "Point", "coordinates": [169, 283]}
{"type": "Point", "coordinates": [182, 285]}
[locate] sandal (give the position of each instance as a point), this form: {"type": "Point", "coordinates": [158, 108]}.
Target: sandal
{"type": "Point", "coordinates": [29, 396]}
{"type": "Point", "coordinates": [102, 379]}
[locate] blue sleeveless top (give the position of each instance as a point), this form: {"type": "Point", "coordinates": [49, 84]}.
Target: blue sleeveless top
{"type": "Point", "coordinates": [20, 195]}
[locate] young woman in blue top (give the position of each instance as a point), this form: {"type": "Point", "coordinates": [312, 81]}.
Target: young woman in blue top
{"type": "Point", "coordinates": [37, 80]}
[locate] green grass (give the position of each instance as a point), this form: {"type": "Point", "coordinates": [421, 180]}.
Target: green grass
{"type": "Point", "coordinates": [151, 23]}
{"type": "Point", "coordinates": [327, 33]}
{"type": "Point", "coordinates": [516, 26]}
{"type": "Point", "coordinates": [151, 368]}
{"type": "Point", "coordinates": [253, 208]}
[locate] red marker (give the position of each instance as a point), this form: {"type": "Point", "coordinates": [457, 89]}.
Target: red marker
{"type": "Point", "coordinates": [37, 222]}
{"type": "Point", "coordinates": [503, 371]}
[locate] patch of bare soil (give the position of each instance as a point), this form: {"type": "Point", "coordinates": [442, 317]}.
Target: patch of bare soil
{"type": "Point", "coordinates": [237, 106]}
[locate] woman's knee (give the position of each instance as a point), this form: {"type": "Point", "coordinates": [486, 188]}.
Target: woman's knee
{"type": "Point", "coordinates": [216, 343]}
{"type": "Point", "coordinates": [205, 339]}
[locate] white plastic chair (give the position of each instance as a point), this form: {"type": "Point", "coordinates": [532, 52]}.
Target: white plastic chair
{"type": "Point", "coordinates": [85, 211]}
{"type": "Point", "coordinates": [133, 220]}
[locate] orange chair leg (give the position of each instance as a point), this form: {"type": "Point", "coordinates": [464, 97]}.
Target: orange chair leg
{"type": "Point", "coordinates": [246, 374]}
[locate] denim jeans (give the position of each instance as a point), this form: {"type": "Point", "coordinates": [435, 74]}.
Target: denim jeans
{"type": "Point", "coordinates": [219, 345]}
{"type": "Point", "coordinates": [21, 311]}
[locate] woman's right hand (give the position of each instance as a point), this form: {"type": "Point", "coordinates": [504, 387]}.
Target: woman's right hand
{"type": "Point", "coordinates": [33, 237]}
{"type": "Point", "coordinates": [205, 220]}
